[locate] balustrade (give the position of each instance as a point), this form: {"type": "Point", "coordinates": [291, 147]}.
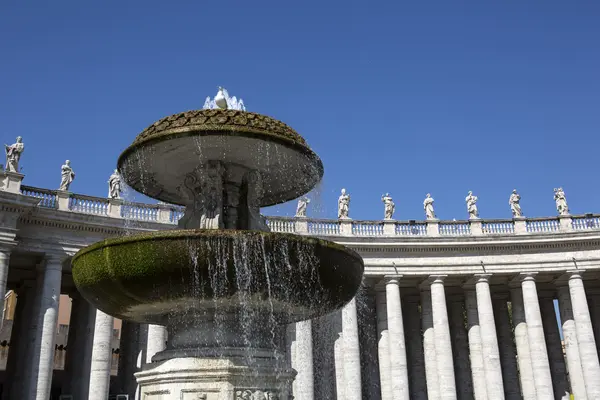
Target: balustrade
{"type": "Point", "coordinates": [140, 212]}
{"type": "Point", "coordinates": [586, 222]}
{"type": "Point", "coordinates": [281, 225]}
{"type": "Point", "coordinates": [88, 204]}
{"type": "Point", "coordinates": [411, 228]}
{"type": "Point", "coordinates": [367, 228]}
{"type": "Point", "coordinates": [170, 214]}
{"type": "Point", "coordinates": [543, 225]}
{"type": "Point", "coordinates": [498, 227]}
{"type": "Point", "coordinates": [455, 228]}
{"type": "Point", "coordinates": [47, 196]}
{"type": "Point", "coordinates": [323, 227]}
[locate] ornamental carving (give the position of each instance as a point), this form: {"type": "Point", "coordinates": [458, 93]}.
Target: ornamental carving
{"type": "Point", "coordinates": [253, 394]}
{"type": "Point", "coordinates": [220, 120]}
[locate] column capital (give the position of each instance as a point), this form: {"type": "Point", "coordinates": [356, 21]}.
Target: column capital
{"type": "Point", "coordinates": [426, 284]}
{"type": "Point", "coordinates": [482, 277]}
{"type": "Point", "coordinates": [437, 278]}
{"type": "Point", "coordinates": [392, 279]}
{"type": "Point", "coordinates": [575, 273]}
{"type": "Point", "coordinates": [527, 276]}
{"type": "Point", "coordinates": [54, 259]}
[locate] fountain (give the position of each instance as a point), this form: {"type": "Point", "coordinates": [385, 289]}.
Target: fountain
{"type": "Point", "coordinates": [222, 284]}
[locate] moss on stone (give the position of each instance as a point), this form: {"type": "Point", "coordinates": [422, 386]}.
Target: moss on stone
{"type": "Point", "coordinates": [120, 275]}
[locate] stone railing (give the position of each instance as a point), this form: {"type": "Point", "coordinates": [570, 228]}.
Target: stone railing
{"type": "Point", "coordinates": [170, 214]}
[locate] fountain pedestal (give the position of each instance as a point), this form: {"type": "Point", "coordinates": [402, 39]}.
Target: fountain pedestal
{"type": "Point", "coordinates": [220, 356]}
{"type": "Point", "coordinates": [210, 378]}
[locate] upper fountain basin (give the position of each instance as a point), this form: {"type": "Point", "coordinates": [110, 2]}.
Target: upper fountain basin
{"type": "Point", "coordinates": [152, 277]}
{"type": "Point", "coordinates": [164, 153]}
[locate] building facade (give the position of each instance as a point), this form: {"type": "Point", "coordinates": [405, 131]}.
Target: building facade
{"type": "Point", "coordinates": [447, 309]}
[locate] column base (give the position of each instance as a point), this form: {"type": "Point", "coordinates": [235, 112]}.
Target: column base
{"type": "Point", "coordinates": [238, 377]}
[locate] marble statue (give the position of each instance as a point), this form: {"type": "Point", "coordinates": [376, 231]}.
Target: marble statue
{"type": "Point", "coordinates": [515, 207]}
{"type": "Point", "coordinates": [114, 186]}
{"type": "Point", "coordinates": [224, 102]}
{"type": "Point", "coordinates": [389, 206]}
{"type": "Point", "coordinates": [428, 206]}
{"type": "Point", "coordinates": [561, 202]}
{"type": "Point", "coordinates": [203, 190]}
{"type": "Point", "coordinates": [472, 205]}
{"type": "Point", "coordinates": [301, 207]}
{"type": "Point", "coordinates": [343, 205]}
{"type": "Point", "coordinates": [67, 175]}
{"type": "Point", "coordinates": [13, 155]}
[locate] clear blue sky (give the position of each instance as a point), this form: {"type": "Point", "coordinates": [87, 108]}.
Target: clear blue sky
{"type": "Point", "coordinates": [406, 97]}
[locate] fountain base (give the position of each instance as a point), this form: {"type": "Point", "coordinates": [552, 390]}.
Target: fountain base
{"type": "Point", "coordinates": [224, 360]}
{"type": "Point", "coordinates": [242, 377]}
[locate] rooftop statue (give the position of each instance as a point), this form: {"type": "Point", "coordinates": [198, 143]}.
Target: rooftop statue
{"type": "Point", "coordinates": [343, 205]}
{"type": "Point", "coordinates": [13, 155]}
{"type": "Point", "coordinates": [67, 175]}
{"type": "Point", "coordinates": [389, 206]}
{"type": "Point", "coordinates": [114, 185]}
{"type": "Point", "coordinates": [561, 202]}
{"type": "Point", "coordinates": [472, 205]}
{"type": "Point", "coordinates": [301, 207]}
{"type": "Point", "coordinates": [428, 207]}
{"type": "Point", "coordinates": [515, 207]}
{"type": "Point", "coordinates": [224, 102]}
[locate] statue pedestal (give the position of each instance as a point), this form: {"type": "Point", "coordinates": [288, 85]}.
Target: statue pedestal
{"type": "Point", "coordinates": [520, 225]}
{"type": "Point", "coordinates": [565, 223]}
{"type": "Point", "coordinates": [389, 227]}
{"type": "Point", "coordinates": [10, 181]}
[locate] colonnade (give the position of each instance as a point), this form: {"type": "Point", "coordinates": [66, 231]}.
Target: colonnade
{"type": "Point", "coordinates": [436, 341]}
{"type": "Point", "coordinates": [475, 341]}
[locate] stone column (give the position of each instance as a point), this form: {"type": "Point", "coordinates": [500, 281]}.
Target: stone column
{"type": "Point", "coordinates": [383, 347]}
{"type": "Point", "coordinates": [338, 353]}
{"type": "Point", "coordinates": [25, 362]}
{"type": "Point", "coordinates": [554, 346]}
{"type": "Point", "coordinates": [157, 340]}
{"type": "Point", "coordinates": [4, 261]}
{"type": "Point", "coordinates": [431, 373]}
{"type": "Point", "coordinates": [79, 348]}
{"type": "Point", "coordinates": [18, 340]}
{"type": "Point", "coordinates": [571, 344]}
{"type": "Point", "coordinates": [43, 356]}
{"type": "Point", "coordinates": [489, 340]}
{"type": "Point", "coordinates": [594, 305]}
{"type": "Point", "coordinates": [585, 335]}
{"type": "Point", "coordinates": [304, 361]}
{"type": "Point", "coordinates": [131, 347]}
{"type": "Point", "coordinates": [352, 378]}
{"type": "Point", "coordinates": [460, 348]}
{"type": "Point", "coordinates": [537, 341]}
{"type": "Point", "coordinates": [475, 346]}
{"type": "Point", "coordinates": [522, 344]}
{"type": "Point", "coordinates": [443, 345]}
{"type": "Point", "coordinates": [101, 357]}
{"type": "Point", "coordinates": [508, 359]}
{"type": "Point", "coordinates": [414, 339]}
{"type": "Point", "coordinates": [399, 368]}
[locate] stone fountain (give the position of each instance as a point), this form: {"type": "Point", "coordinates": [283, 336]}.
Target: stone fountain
{"type": "Point", "coordinates": [223, 285]}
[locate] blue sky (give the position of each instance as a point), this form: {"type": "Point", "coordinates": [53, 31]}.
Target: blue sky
{"type": "Point", "coordinates": [400, 97]}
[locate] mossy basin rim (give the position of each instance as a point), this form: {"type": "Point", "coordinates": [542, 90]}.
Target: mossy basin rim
{"type": "Point", "coordinates": [151, 276]}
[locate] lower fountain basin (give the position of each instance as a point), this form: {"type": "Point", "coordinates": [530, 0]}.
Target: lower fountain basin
{"type": "Point", "coordinates": [158, 276]}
